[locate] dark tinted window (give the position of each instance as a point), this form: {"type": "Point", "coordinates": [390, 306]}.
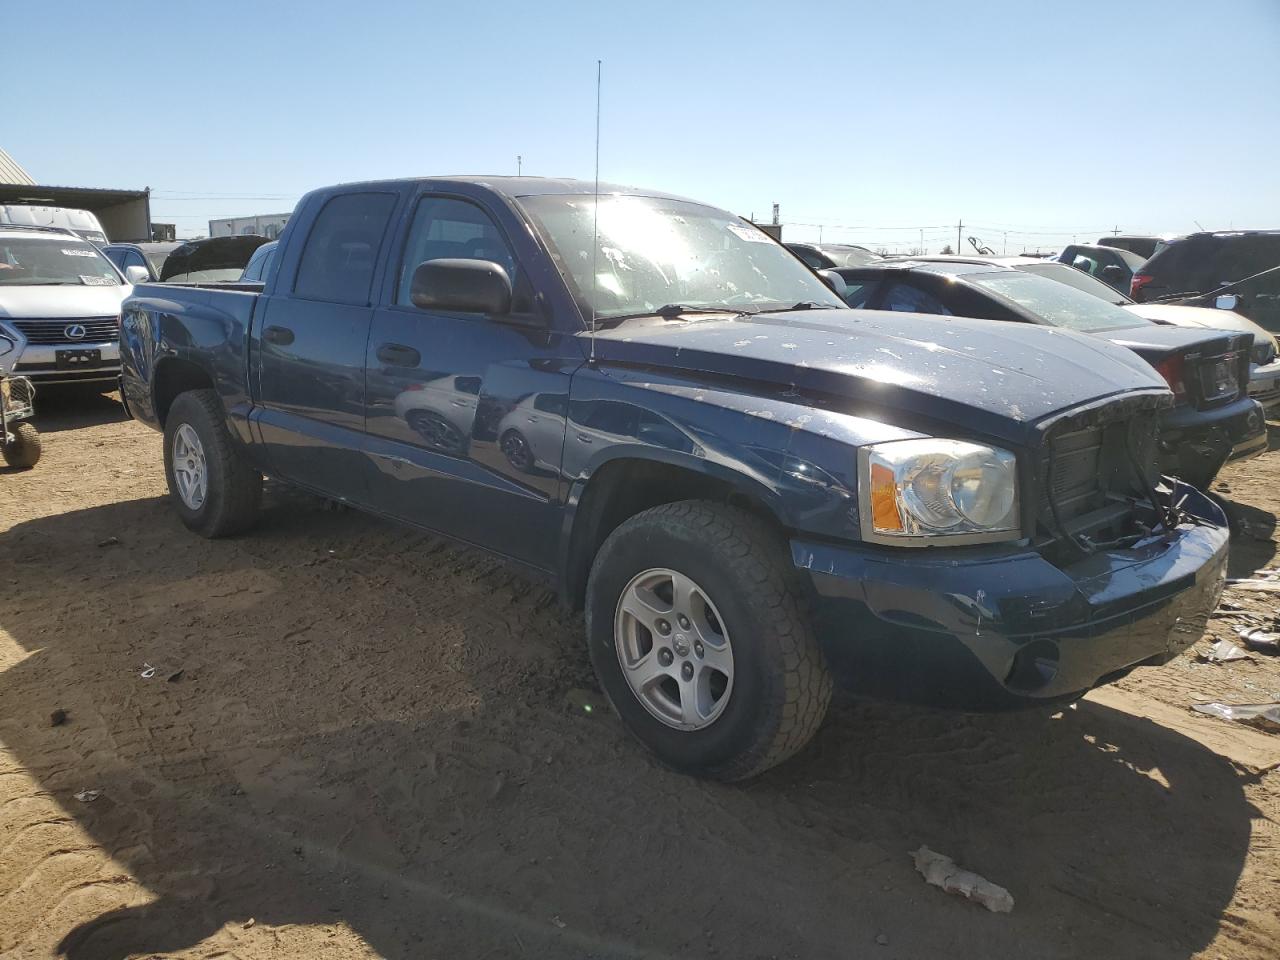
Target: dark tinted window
{"type": "Point", "coordinates": [811, 257]}
{"type": "Point", "coordinates": [116, 256]}
{"type": "Point", "coordinates": [133, 258]}
{"type": "Point", "coordinates": [908, 299]}
{"type": "Point", "coordinates": [342, 249]}
{"type": "Point", "coordinates": [1242, 257]}
{"type": "Point", "coordinates": [448, 229]}
{"type": "Point", "coordinates": [858, 293]}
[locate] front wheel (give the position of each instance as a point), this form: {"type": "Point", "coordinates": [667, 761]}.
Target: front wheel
{"type": "Point", "coordinates": [698, 635]}
{"type": "Point", "coordinates": [215, 489]}
{"type": "Point", "coordinates": [24, 452]}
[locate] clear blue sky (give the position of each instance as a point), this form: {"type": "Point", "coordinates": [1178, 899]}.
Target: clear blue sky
{"type": "Point", "coordinates": [1048, 118]}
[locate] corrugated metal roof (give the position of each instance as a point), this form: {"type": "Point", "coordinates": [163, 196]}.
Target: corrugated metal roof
{"type": "Point", "coordinates": [10, 172]}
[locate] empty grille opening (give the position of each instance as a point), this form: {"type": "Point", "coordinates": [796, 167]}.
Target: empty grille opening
{"type": "Point", "coordinates": [1089, 475]}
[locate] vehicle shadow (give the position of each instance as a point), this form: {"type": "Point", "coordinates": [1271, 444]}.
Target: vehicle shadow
{"type": "Point", "coordinates": [72, 407]}
{"type": "Point", "coordinates": [354, 723]}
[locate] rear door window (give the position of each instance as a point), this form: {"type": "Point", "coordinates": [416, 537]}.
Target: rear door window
{"type": "Point", "coordinates": [341, 252]}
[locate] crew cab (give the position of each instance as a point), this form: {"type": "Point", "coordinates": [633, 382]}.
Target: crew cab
{"type": "Point", "coordinates": [752, 490]}
{"type": "Point", "coordinates": [1213, 419]}
{"type": "Point", "coordinates": [64, 297]}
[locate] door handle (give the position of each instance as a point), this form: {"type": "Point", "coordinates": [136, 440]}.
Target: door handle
{"type": "Point", "coordinates": [398, 355]}
{"type": "Point", "coordinates": [278, 335]}
{"type": "Point", "coordinates": [584, 438]}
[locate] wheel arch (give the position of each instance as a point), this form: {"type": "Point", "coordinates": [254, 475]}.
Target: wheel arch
{"type": "Point", "coordinates": [174, 376]}
{"type": "Point", "coordinates": [629, 481]}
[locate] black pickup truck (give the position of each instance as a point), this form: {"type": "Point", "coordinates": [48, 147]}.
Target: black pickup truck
{"type": "Point", "coordinates": [751, 488]}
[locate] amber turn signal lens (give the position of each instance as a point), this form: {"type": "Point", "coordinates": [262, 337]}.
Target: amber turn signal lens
{"type": "Point", "coordinates": [884, 499]}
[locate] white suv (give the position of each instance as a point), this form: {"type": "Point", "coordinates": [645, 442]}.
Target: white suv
{"type": "Point", "coordinates": [64, 297]}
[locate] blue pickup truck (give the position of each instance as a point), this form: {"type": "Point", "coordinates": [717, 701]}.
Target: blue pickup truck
{"type": "Point", "coordinates": [753, 490]}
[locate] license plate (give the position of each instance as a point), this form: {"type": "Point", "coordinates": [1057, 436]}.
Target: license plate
{"type": "Point", "coordinates": [1220, 379]}
{"type": "Point", "coordinates": [73, 359]}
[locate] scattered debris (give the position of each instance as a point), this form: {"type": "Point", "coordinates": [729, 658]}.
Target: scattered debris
{"type": "Point", "coordinates": [248, 923]}
{"type": "Point", "coordinates": [1265, 716]}
{"type": "Point", "coordinates": [148, 671]}
{"type": "Point", "coordinates": [175, 676]}
{"type": "Point", "coordinates": [558, 922]}
{"type": "Point", "coordinates": [58, 717]}
{"type": "Point", "coordinates": [88, 796]}
{"type": "Point", "coordinates": [109, 542]}
{"type": "Point", "coordinates": [1260, 641]}
{"type": "Point", "coordinates": [882, 939]}
{"type": "Point", "coordinates": [942, 871]}
{"type": "Point", "coordinates": [1224, 651]}
{"type": "Point", "coordinates": [1264, 586]}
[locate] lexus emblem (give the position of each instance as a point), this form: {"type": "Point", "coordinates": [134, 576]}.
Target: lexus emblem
{"type": "Point", "coordinates": [75, 331]}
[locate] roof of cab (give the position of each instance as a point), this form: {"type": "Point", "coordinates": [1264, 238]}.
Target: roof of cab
{"type": "Point", "coordinates": [524, 186]}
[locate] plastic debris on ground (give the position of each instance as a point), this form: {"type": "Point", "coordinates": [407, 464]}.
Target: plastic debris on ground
{"type": "Point", "coordinates": [148, 671]}
{"type": "Point", "coordinates": [1265, 716]}
{"type": "Point", "coordinates": [1224, 651]}
{"type": "Point", "coordinates": [88, 796]}
{"type": "Point", "coordinates": [1264, 580]}
{"type": "Point", "coordinates": [942, 871]}
{"type": "Point", "coordinates": [1260, 641]}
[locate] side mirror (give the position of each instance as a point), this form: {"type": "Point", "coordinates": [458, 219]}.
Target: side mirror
{"type": "Point", "coordinates": [461, 286]}
{"type": "Point", "coordinates": [136, 274]}
{"type": "Point", "coordinates": [1228, 301]}
{"type": "Point", "coordinates": [834, 281]}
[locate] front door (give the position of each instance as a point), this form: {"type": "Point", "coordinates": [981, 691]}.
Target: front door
{"type": "Point", "coordinates": [465, 413]}
{"type": "Point", "coordinates": [311, 335]}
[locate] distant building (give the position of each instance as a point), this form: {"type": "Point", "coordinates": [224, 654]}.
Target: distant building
{"type": "Point", "coordinates": [267, 225]}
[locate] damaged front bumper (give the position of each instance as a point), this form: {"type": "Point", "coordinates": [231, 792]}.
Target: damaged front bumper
{"type": "Point", "coordinates": [973, 629]}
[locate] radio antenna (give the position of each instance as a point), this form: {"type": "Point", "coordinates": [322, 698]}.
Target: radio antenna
{"type": "Point", "coordinates": [595, 223]}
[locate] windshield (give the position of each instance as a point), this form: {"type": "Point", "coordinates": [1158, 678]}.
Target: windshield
{"type": "Point", "coordinates": [53, 261]}
{"type": "Point", "coordinates": [655, 252]}
{"type": "Point", "coordinates": [1076, 278]}
{"type": "Point", "coordinates": [1056, 303]}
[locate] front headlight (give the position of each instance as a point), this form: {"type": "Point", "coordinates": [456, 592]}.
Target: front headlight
{"type": "Point", "coordinates": [921, 492]}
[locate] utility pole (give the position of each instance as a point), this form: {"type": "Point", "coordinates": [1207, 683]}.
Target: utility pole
{"type": "Point", "coordinates": [922, 250]}
{"type": "Point", "coordinates": [1116, 231]}
{"type": "Point", "coordinates": [1004, 250]}
{"type": "Point", "coordinates": [959, 227]}
{"type": "Point", "coordinates": [819, 233]}
{"type": "Point", "coordinates": [775, 214]}
{"type": "Point", "coordinates": [519, 165]}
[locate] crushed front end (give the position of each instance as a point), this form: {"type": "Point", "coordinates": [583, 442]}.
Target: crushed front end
{"type": "Point", "coordinates": [1122, 568]}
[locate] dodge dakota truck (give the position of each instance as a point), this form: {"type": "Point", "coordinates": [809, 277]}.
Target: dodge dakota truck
{"type": "Point", "coordinates": [752, 490]}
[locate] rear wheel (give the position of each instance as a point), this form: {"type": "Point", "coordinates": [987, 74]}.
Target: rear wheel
{"type": "Point", "coordinates": [698, 634]}
{"type": "Point", "coordinates": [24, 452]}
{"type": "Point", "coordinates": [215, 490]}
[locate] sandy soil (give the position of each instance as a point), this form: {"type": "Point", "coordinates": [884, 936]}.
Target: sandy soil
{"type": "Point", "coordinates": [362, 741]}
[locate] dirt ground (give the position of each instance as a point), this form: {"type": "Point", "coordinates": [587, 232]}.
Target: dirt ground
{"type": "Point", "coordinates": [363, 741]}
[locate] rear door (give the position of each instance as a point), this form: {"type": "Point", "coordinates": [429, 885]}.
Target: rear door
{"type": "Point", "coordinates": [465, 412]}
{"type": "Point", "coordinates": [310, 336]}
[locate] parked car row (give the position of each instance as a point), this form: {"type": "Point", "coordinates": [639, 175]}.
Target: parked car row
{"type": "Point", "coordinates": [753, 490]}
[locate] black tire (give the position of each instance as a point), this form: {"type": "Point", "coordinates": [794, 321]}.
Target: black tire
{"type": "Point", "coordinates": [24, 452]}
{"type": "Point", "coordinates": [781, 685]}
{"type": "Point", "coordinates": [234, 491]}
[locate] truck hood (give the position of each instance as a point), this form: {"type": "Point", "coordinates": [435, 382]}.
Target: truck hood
{"type": "Point", "coordinates": [58, 303]}
{"type": "Point", "coordinates": [993, 378]}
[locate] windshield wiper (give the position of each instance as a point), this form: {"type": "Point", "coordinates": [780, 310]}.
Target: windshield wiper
{"type": "Point", "coordinates": [673, 311]}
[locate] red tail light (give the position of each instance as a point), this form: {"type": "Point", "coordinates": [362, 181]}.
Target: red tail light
{"type": "Point", "coordinates": [1174, 373]}
{"type": "Point", "coordinates": [1139, 281]}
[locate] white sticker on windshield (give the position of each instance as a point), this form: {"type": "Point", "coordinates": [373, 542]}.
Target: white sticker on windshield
{"type": "Point", "coordinates": [748, 234]}
{"type": "Point", "coordinates": [97, 281]}
{"type": "Point", "coordinates": [78, 252]}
